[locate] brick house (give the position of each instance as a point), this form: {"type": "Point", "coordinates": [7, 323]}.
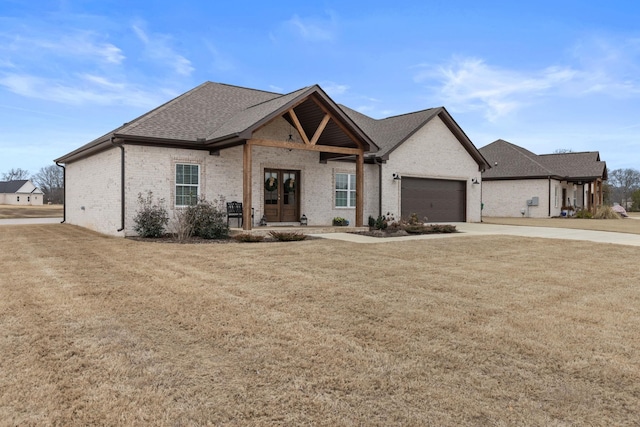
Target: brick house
{"type": "Point", "coordinates": [283, 156]}
{"type": "Point", "coordinates": [521, 183]}
{"type": "Point", "coordinates": [20, 192]}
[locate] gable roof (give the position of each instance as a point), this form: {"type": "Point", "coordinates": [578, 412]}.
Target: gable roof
{"type": "Point", "coordinates": [215, 115]}
{"type": "Point", "coordinates": [9, 187]}
{"type": "Point", "coordinates": [212, 113]}
{"type": "Point", "coordinates": [389, 133]}
{"type": "Point", "coordinates": [510, 161]}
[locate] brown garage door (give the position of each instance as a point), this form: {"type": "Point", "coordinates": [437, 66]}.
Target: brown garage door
{"type": "Point", "coordinates": [437, 199]}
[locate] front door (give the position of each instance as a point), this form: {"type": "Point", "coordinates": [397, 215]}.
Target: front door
{"type": "Point", "coordinates": [281, 195]}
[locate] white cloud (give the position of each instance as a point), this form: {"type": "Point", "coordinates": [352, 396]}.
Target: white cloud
{"type": "Point", "coordinates": [89, 89]}
{"type": "Point", "coordinates": [158, 47]}
{"type": "Point", "coordinates": [276, 89]}
{"type": "Point", "coordinates": [471, 84]}
{"type": "Point", "coordinates": [80, 45]}
{"type": "Point", "coordinates": [314, 29]}
{"type": "Point", "coordinates": [334, 89]}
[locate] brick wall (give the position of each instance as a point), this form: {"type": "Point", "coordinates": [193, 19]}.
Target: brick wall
{"type": "Point", "coordinates": [432, 152]}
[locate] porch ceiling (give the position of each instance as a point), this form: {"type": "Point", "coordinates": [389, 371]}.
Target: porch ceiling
{"type": "Point", "coordinates": [310, 115]}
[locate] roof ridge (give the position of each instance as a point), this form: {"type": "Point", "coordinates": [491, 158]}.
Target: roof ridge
{"type": "Point", "coordinates": [411, 113]}
{"type": "Point", "coordinates": [519, 150]}
{"type": "Point", "coordinates": [242, 87]}
{"type": "Point", "coordinates": [277, 97]}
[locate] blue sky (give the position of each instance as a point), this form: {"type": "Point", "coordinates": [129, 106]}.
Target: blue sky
{"type": "Point", "coordinates": [544, 75]}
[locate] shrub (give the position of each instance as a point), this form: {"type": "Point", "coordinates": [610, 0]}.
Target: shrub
{"type": "Point", "coordinates": [287, 236]}
{"type": "Point", "coordinates": [583, 213]}
{"type": "Point", "coordinates": [182, 225]}
{"type": "Point", "coordinates": [372, 221]}
{"type": "Point", "coordinates": [381, 223]}
{"type": "Point", "coordinates": [208, 221]}
{"type": "Point", "coordinates": [248, 238]}
{"type": "Point", "coordinates": [151, 218]}
{"type": "Point", "coordinates": [606, 212]}
{"type": "Point", "coordinates": [429, 229]}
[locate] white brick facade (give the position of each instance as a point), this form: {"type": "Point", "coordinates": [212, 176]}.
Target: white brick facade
{"type": "Point", "coordinates": [508, 198]}
{"type": "Point", "coordinates": [93, 183]}
{"type": "Point", "coordinates": [432, 152]}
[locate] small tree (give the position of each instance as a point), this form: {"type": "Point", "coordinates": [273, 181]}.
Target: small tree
{"type": "Point", "coordinates": [635, 196]}
{"type": "Point", "coordinates": [15, 175]}
{"type": "Point", "coordinates": [151, 218]}
{"type": "Point", "coordinates": [50, 180]}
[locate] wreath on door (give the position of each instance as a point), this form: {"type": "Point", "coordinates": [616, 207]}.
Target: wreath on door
{"type": "Point", "coordinates": [290, 185]}
{"type": "Point", "coordinates": [271, 184]}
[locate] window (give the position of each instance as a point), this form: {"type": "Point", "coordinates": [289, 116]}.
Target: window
{"type": "Point", "coordinates": [345, 190]}
{"type": "Point", "coordinates": [187, 184]}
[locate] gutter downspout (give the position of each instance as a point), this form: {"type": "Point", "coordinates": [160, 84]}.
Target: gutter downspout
{"type": "Point", "coordinates": [549, 178]}
{"type": "Point", "coordinates": [379, 186]}
{"type": "Point", "coordinates": [122, 193]}
{"type": "Point", "coordinates": [64, 192]}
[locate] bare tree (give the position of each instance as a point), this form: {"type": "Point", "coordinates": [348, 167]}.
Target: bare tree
{"type": "Point", "coordinates": [15, 175]}
{"type": "Point", "coordinates": [50, 180]}
{"type": "Point", "coordinates": [626, 181]}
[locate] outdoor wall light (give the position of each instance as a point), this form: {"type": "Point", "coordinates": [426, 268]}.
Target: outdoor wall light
{"type": "Point", "coordinates": [396, 176]}
{"type": "Point", "coordinates": [474, 181]}
{"type": "Point", "coordinates": [303, 220]}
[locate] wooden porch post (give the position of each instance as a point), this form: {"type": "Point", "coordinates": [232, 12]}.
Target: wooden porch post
{"type": "Point", "coordinates": [246, 187]}
{"type": "Point", "coordinates": [359, 188]}
{"type": "Point", "coordinates": [601, 192]}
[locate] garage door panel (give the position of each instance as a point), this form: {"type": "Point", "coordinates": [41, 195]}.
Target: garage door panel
{"type": "Point", "coordinates": [436, 199]}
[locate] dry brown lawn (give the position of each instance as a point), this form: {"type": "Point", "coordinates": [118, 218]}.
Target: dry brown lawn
{"type": "Point", "coordinates": [627, 225]}
{"type": "Point", "coordinates": [44, 211]}
{"type": "Point", "coordinates": [491, 330]}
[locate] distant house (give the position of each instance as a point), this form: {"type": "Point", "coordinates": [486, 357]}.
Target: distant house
{"type": "Point", "coordinates": [20, 192]}
{"type": "Point", "coordinates": [282, 156]}
{"type": "Point", "coordinates": [522, 183]}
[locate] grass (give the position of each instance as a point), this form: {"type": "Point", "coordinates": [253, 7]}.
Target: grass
{"type": "Point", "coordinates": [43, 211]}
{"type": "Point", "coordinates": [490, 330]}
{"type": "Point", "coordinates": [626, 225]}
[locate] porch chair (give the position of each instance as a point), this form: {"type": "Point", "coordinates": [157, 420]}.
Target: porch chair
{"type": "Point", "coordinates": [234, 210]}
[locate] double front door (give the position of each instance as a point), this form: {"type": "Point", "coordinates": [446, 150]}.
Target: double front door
{"type": "Point", "coordinates": [281, 195]}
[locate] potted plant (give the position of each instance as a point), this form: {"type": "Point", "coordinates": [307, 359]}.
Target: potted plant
{"type": "Point", "coordinates": [340, 222]}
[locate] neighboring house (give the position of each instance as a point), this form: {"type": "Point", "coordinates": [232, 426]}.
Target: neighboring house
{"type": "Point", "coordinates": [521, 183]}
{"type": "Point", "coordinates": [20, 192]}
{"type": "Point", "coordinates": [283, 156]}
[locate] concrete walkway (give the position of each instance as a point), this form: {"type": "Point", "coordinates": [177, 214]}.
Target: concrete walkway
{"type": "Point", "coordinates": [480, 229]}
{"type": "Point", "coordinates": [23, 221]}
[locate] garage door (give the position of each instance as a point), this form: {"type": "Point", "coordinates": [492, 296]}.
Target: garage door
{"type": "Point", "coordinates": [437, 199]}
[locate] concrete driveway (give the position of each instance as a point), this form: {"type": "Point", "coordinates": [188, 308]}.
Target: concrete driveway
{"type": "Point", "coordinates": [479, 229]}
{"type": "Point", "coordinates": [23, 221]}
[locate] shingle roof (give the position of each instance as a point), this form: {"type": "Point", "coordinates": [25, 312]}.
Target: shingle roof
{"type": "Point", "coordinates": [509, 161]}
{"type": "Point", "coordinates": [388, 133]}
{"type": "Point", "coordinates": [9, 187]}
{"type": "Point", "coordinates": [217, 113]}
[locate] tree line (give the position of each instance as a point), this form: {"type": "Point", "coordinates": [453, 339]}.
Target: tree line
{"type": "Point", "coordinates": [49, 179]}
{"type": "Point", "coordinates": [624, 188]}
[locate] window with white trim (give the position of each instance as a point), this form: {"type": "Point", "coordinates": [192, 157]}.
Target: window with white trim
{"type": "Point", "coordinates": [345, 189]}
{"type": "Point", "coordinates": [187, 184]}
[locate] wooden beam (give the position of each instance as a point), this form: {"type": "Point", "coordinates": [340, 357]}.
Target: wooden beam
{"type": "Point", "coordinates": [339, 123]}
{"type": "Point", "coordinates": [308, 147]}
{"type": "Point", "coordinates": [321, 127]}
{"type": "Point", "coordinates": [360, 189]}
{"type": "Point", "coordinates": [246, 187]}
{"type": "Point", "coordinates": [298, 126]}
